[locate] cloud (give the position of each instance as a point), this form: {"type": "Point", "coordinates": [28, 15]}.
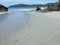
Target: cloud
{"type": "Point", "coordinates": [12, 0]}
{"type": "Point", "coordinates": [28, 0]}
{"type": "Point", "coordinates": [22, 0]}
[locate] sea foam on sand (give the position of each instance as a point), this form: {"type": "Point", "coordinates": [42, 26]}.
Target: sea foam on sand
{"type": "Point", "coordinates": [42, 29]}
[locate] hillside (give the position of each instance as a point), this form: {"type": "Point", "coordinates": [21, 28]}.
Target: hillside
{"type": "Point", "coordinates": [28, 6]}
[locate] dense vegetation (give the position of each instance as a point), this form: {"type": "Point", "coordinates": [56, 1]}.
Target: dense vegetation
{"type": "Point", "coordinates": [59, 0]}
{"type": "Point", "coordinates": [29, 6]}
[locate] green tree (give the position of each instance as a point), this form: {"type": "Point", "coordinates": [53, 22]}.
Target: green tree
{"type": "Point", "coordinates": [59, 0]}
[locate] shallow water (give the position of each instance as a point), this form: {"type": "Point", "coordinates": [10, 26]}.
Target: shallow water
{"type": "Point", "coordinates": [21, 9]}
{"type": "Point", "coordinates": [11, 22]}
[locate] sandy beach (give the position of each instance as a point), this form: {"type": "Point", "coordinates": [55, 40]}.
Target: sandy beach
{"type": "Point", "coordinates": [42, 29]}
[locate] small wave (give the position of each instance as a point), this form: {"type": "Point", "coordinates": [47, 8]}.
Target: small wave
{"type": "Point", "coordinates": [5, 12]}
{"type": "Point", "coordinates": [25, 9]}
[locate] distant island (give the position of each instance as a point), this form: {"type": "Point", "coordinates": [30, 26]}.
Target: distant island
{"type": "Point", "coordinates": [50, 6]}
{"type": "Point", "coordinates": [29, 6]}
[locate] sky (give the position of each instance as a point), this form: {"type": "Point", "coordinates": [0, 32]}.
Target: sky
{"type": "Point", "coordinates": [12, 2]}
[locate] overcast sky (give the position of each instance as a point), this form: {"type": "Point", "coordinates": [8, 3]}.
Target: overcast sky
{"type": "Point", "coordinates": [12, 2]}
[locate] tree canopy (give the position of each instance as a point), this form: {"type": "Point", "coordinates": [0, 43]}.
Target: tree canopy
{"type": "Point", "coordinates": [59, 0]}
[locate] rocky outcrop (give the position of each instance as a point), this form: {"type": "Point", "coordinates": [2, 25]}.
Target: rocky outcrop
{"type": "Point", "coordinates": [38, 9]}
{"type": "Point", "coordinates": [3, 8]}
{"type": "Point", "coordinates": [54, 7]}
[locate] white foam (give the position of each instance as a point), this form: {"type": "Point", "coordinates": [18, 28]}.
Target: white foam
{"type": "Point", "coordinates": [22, 9]}
{"type": "Point", "coordinates": [5, 12]}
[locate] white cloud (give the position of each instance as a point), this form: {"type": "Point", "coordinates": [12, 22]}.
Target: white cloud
{"type": "Point", "coordinates": [12, 0]}
{"type": "Point", "coordinates": [23, 0]}
{"type": "Point", "coordinates": [17, 0]}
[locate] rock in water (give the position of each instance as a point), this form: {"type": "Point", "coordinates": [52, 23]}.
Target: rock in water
{"type": "Point", "coordinates": [38, 9]}
{"type": "Point", "coordinates": [3, 8]}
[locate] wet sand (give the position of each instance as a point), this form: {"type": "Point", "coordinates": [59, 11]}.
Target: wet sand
{"type": "Point", "coordinates": [11, 22]}
{"type": "Point", "coordinates": [42, 29]}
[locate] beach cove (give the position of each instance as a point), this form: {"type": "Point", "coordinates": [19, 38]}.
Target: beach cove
{"type": "Point", "coordinates": [42, 29]}
{"type": "Point", "coordinates": [11, 22]}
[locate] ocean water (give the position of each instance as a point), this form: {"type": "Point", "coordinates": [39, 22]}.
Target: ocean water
{"type": "Point", "coordinates": [21, 9]}
{"type": "Point", "coordinates": [26, 9]}
{"type": "Point", "coordinates": [12, 21]}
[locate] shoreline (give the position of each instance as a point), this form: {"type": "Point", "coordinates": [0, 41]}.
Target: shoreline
{"type": "Point", "coordinates": [42, 29]}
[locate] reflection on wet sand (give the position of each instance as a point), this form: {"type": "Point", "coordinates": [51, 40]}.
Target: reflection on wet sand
{"type": "Point", "coordinates": [11, 22]}
{"type": "Point", "coordinates": [3, 16]}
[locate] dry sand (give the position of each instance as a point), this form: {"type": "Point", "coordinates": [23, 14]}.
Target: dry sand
{"type": "Point", "coordinates": [42, 29]}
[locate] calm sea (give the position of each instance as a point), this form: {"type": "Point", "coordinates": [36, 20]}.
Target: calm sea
{"type": "Point", "coordinates": [12, 21]}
